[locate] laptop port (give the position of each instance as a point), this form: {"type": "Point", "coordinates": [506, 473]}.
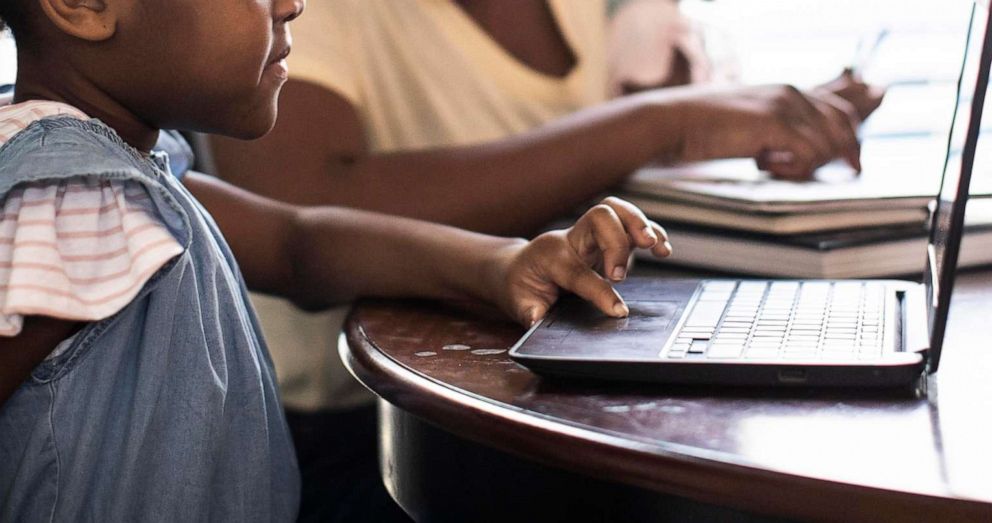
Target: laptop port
{"type": "Point", "coordinates": [792, 376]}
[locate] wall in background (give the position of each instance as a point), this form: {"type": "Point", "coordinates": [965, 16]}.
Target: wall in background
{"type": "Point", "coordinates": [8, 59]}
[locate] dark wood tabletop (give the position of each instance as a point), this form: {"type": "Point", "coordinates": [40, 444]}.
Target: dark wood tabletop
{"type": "Point", "coordinates": [809, 454]}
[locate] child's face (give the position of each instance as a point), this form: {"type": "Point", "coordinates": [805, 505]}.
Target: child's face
{"type": "Point", "coordinates": [213, 66]}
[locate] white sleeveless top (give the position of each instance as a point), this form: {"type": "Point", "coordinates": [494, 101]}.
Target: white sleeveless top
{"type": "Point", "coordinates": [423, 73]}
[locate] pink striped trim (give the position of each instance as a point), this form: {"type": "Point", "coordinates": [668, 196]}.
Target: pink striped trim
{"type": "Point", "coordinates": [75, 258]}
{"type": "Point", "coordinates": [51, 313]}
{"type": "Point", "coordinates": [136, 220]}
{"type": "Point", "coordinates": [141, 280]}
{"type": "Point", "coordinates": [74, 186]}
{"type": "Point", "coordinates": [85, 210]}
{"type": "Point", "coordinates": [71, 258]}
{"type": "Point", "coordinates": [54, 223]}
{"type": "Point", "coordinates": [100, 279]}
{"type": "Point", "coordinates": [78, 211]}
{"type": "Point", "coordinates": [15, 118]}
{"type": "Point", "coordinates": [119, 229]}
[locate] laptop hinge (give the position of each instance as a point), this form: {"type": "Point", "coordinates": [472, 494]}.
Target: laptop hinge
{"type": "Point", "coordinates": [915, 332]}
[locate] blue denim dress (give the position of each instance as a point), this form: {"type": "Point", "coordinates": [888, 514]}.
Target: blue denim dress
{"type": "Point", "coordinates": [166, 411]}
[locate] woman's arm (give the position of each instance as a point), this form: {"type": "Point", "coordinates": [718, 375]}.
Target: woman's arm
{"type": "Point", "coordinates": [317, 154]}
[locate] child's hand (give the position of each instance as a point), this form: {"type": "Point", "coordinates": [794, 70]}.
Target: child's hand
{"type": "Point", "coordinates": [583, 259]}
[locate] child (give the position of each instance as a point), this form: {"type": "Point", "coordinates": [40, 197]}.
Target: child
{"type": "Point", "coordinates": [134, 384]}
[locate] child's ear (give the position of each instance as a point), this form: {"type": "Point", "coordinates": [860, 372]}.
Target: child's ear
{"type": "Point", "coordinates": [91, 20]}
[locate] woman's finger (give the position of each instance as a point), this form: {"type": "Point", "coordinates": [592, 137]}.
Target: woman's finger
{"type": "Point", "coordinates": [844, 120]}
{"type": "Point", "coordinates": [807, 120]}
{"type": "Point", "coordinates": [792, 154]}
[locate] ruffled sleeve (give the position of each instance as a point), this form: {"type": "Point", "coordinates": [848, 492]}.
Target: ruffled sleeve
{"type": "Point", "coordinates": [77, 250]}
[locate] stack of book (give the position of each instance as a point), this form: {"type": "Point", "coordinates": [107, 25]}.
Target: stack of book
{"type": "Point", "coordinates": [727, 216]}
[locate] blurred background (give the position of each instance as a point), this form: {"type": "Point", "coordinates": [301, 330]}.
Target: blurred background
{"type": "Point", "coordinates": [901, 43]}
{"type": "Point", "coordinates": [804, 41]}
{"type": "Point", "coordinates": [909, 45]}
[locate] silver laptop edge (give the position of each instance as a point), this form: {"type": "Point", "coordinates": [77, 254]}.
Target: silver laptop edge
{"type": "Point", "coordinates": [924, 318]}
{"type": "Point", "coordinates": [945, 236]}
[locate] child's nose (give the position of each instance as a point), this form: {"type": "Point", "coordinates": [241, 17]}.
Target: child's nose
{"type": "Point", "coordinates": [289, 10]}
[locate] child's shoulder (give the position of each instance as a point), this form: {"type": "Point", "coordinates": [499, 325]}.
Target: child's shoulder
{"type": "Point", "coordinates": [74, 207]}
{"type": "Point", "coordinates": [47, 140]}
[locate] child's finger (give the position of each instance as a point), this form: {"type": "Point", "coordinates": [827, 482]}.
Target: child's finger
{"type": "Point", "coordinates": [575, 277]}
{"type": "Point", "coordinates": [612, 244]}
{"type": "Point", "coordinates": [652, 236]}
{"type": "Point", "coordinates": [636, 224]}
{"type": "Point", "coordinates": [663, 247]}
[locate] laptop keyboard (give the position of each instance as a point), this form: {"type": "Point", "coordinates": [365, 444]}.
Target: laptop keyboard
{"type": "Point", "coordinates": [783, 320]}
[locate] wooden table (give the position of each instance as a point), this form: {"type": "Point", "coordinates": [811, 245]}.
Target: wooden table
{"type": "Point", "coordinates": [467, 433]}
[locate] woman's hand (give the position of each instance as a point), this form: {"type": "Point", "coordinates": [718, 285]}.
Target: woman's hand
{"type": "Point", "coordinates": [863, 98]}
{"type": "Point", "coordinates": [790, 133]}
{"type": "Point", "coordinates": [583, 259]}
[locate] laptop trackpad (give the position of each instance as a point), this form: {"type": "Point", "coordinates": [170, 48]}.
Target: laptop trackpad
{"type": "Point", "coordinates": [577, 330]}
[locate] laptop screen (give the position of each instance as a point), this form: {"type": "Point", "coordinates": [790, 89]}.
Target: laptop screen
{"type": "Point", "coordinates": [948, 218]}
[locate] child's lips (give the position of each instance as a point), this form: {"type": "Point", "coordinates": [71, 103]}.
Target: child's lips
{"type": "Point", "coordinates": [279, 69]}
{"type": "Point", "coordinates": [282, 55]}
{"type": "Point", "coordinates": [278, 66]}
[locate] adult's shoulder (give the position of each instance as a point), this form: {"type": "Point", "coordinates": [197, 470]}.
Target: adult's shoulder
{"type": "Point", "coordinates": [333, 14]}
{"type": "Point", "coordinates": [330, 44]}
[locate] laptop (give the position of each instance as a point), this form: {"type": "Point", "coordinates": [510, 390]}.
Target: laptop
{"type": "Point", "coordinates": [843, 333]}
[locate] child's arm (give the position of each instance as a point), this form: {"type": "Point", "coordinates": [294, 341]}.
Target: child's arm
{"type": "Point", "coordinates": [77, 251]}
{"type": "Point", "coordinates": [321, 256]}
{"type": "Point", "coordinates": [20, 354]}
